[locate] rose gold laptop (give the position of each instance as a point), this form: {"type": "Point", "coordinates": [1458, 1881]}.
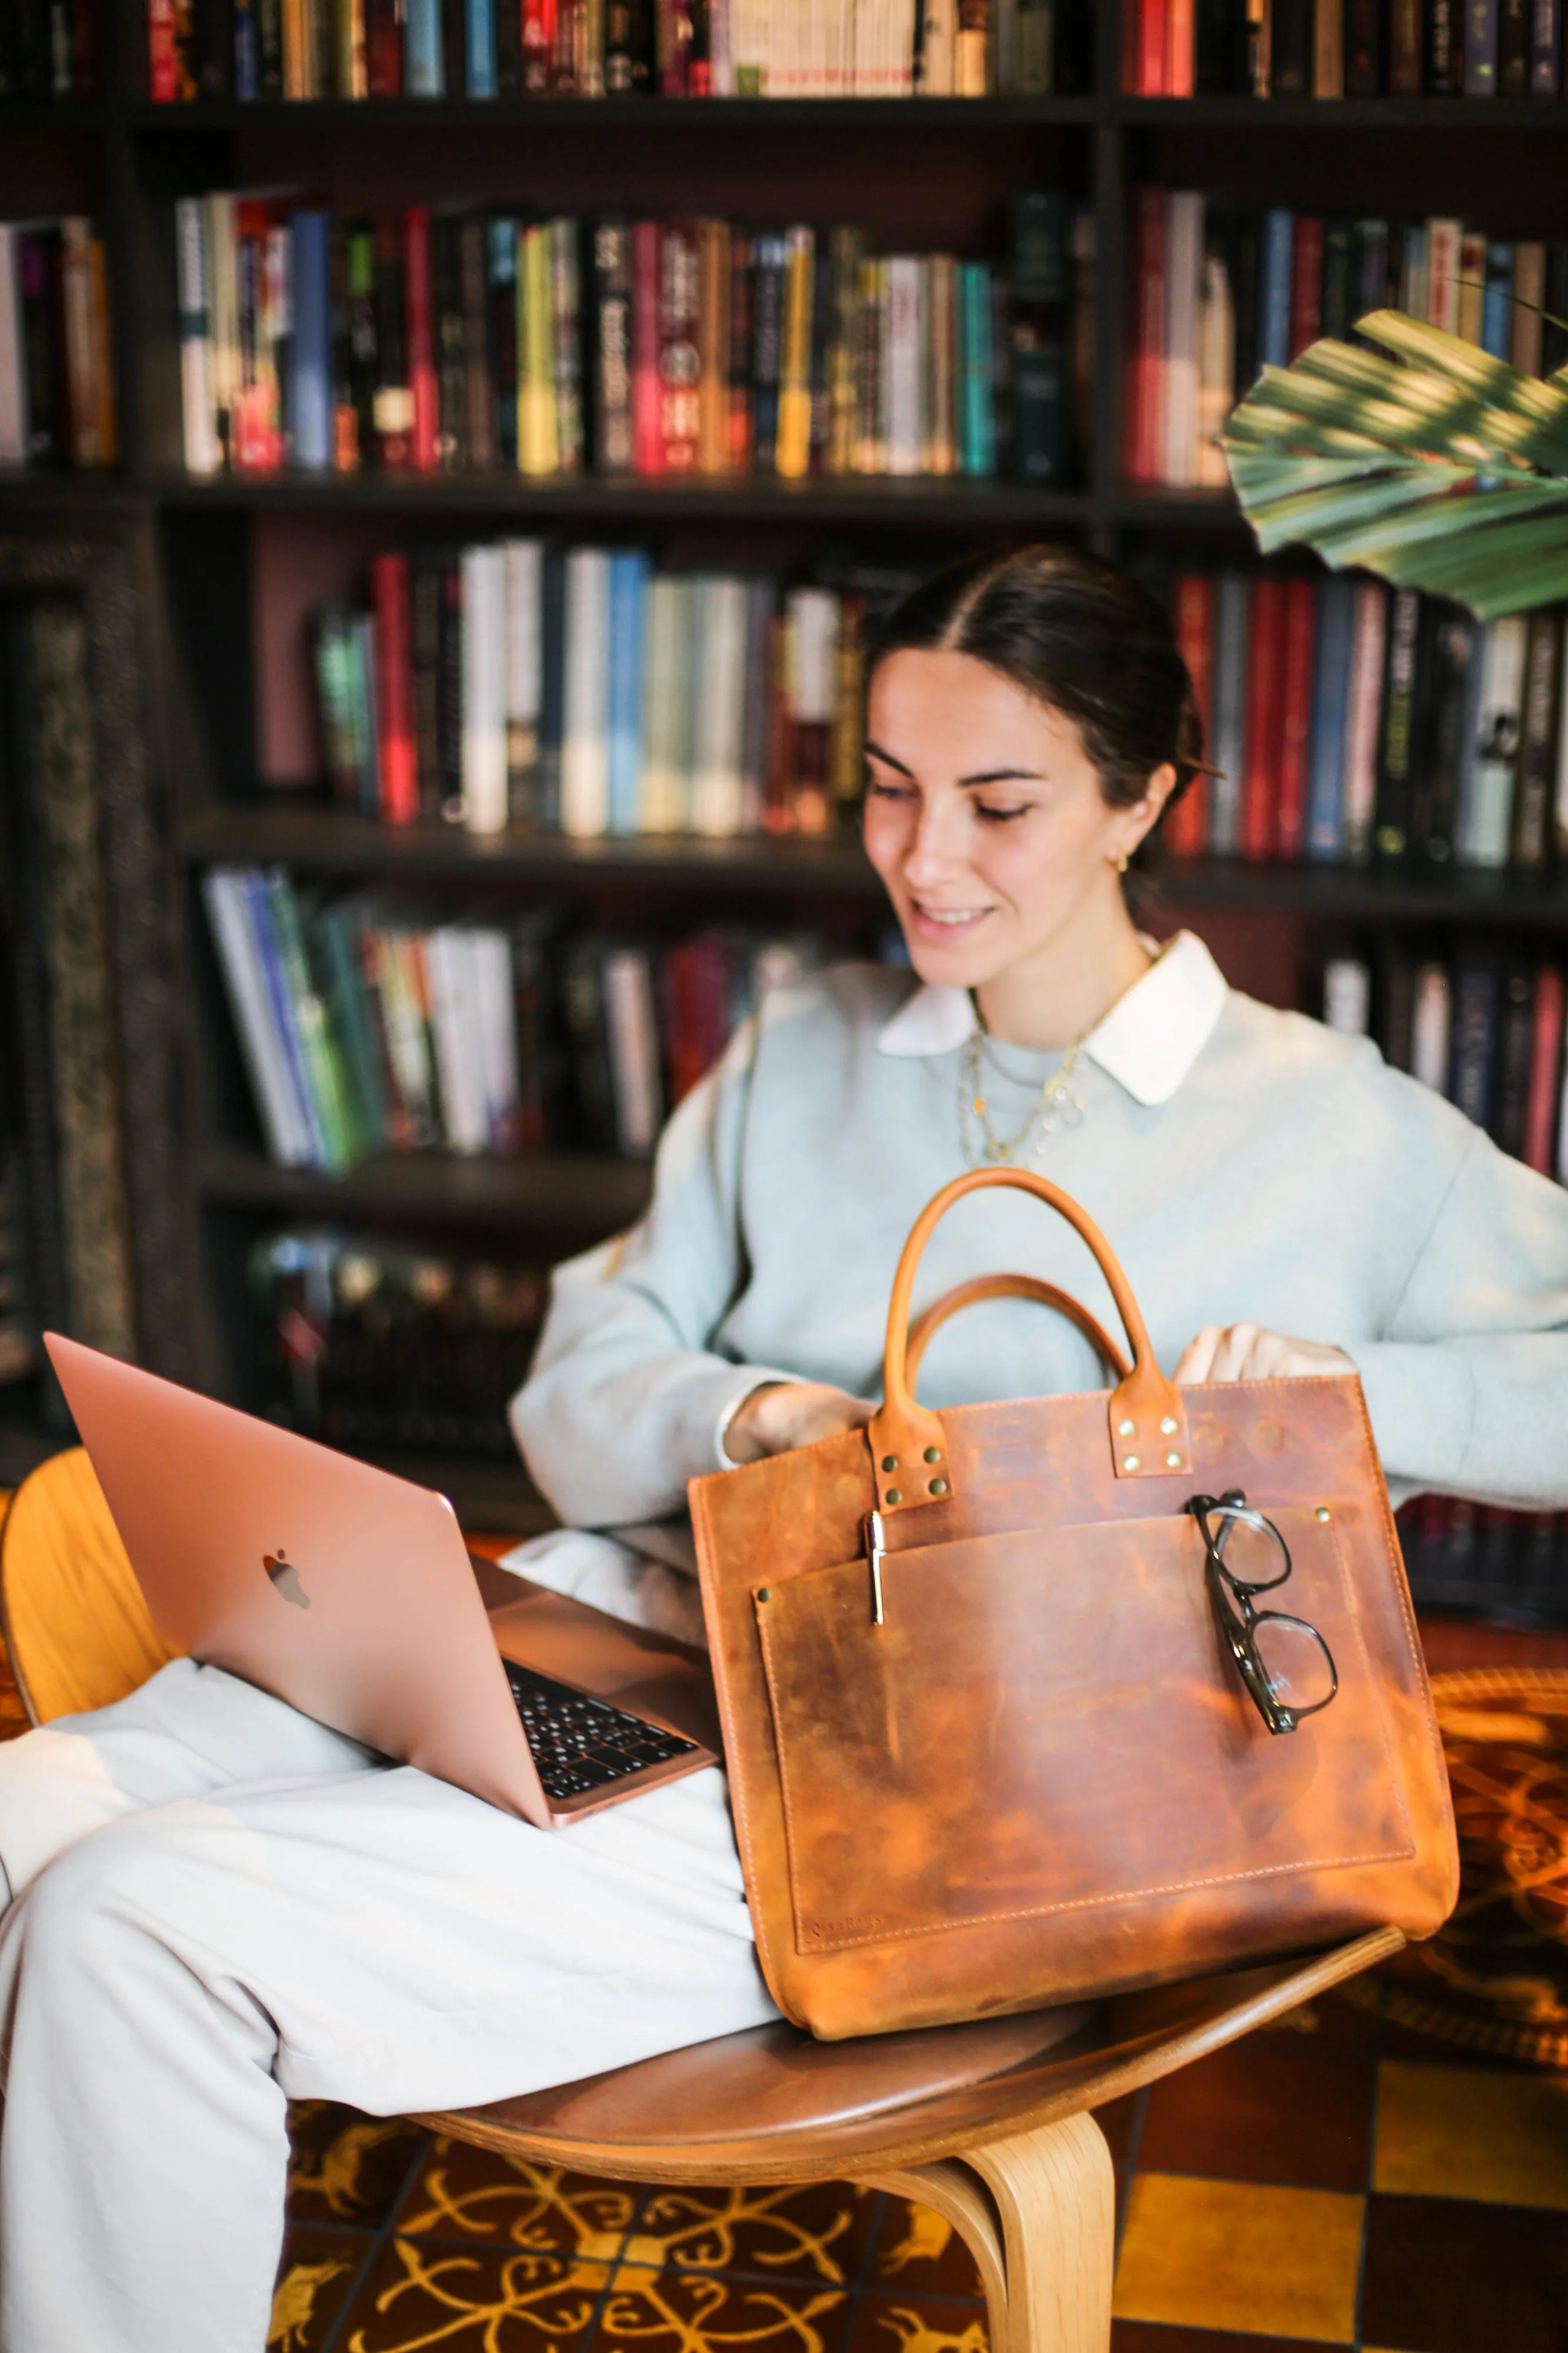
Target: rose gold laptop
{"type": "Point", "coordinates": [351, 1594]}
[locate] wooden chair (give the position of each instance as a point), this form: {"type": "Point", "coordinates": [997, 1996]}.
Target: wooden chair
{"type": "Point", "coordinates": [988, 2124]}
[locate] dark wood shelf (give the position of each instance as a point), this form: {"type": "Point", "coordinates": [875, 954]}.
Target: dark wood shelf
{"type": "Point", "coordinates": [1368, 894]}
{"type": "Point", "coordinates": [575, 1191]}
{"type": "Point", "coordinates": [321, 839]}
{"type": "Point", "coordinates": [1170, 509]}
{"type": "Point", "coordinates": [1380, 114]}
{"type": "Point", "coordinates": [943, 501]}
{"type": "Point", "coordinates": [922, 115]}
{"type": "Point", "coordinates": [682, 114]}
{"type": "Point", "coordinates": [324, 840]}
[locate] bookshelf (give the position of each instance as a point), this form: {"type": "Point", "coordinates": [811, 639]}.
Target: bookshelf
{"type": "Point", "coordinates": [201, 555]}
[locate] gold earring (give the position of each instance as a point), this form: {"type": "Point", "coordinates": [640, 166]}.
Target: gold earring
{"type": "Point", "coordinates": [1118, 861]}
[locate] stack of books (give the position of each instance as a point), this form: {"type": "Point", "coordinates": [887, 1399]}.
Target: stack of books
{"type": "Point", "coordinates": [1484, 1027]}
{"type": "Point", "coordinates": [57, 381]}
{"type": "Point", "coordinates": [424, 342]}
{"type": "Point", "coordinates": [375, 1344]}
{"type": "Point", "coordinates": [1218, 294]}
{"type": "Point", "coordinates": [48, 50]}
{"type": "Point", "coordinates": [1343, 48]}
{"type": "Point", "coordinates": [1352, 722]}
{"type": "Point", "coordinates": [364, 1025]}
{"type": "Point", "coordinates": [580, 690]}
{"type": "Point", "coordinates": [599, 48]}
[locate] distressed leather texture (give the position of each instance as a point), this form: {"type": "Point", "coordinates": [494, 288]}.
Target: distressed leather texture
{"type": "Point", "coordinates": [1039, 1778]}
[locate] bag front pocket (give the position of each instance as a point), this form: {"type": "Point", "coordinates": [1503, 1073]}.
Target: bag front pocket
{"type": "Point", "coordinates": [1050, 1720]}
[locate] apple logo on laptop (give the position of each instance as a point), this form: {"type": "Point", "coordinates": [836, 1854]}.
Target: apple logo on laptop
{"type": "Point", "coordinates": [285, 1578]}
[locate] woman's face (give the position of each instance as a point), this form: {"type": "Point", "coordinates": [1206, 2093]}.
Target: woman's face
{"type": "Point", "coordinates": [985, 819]}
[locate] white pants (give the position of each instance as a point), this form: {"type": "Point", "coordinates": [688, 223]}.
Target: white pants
{"type": "Point", "coordinates": [219, 1905]}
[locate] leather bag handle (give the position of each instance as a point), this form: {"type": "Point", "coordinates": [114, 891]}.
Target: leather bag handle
{"type": "Point", "coordinates": [1146, 1420]}
{"type": "Point", "coordinates": [1009, 1286]}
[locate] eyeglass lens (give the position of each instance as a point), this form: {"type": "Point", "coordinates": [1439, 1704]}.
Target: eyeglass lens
{"type": "Point", "coordinates": [1253, 1553]}
{"type": "Point", "coordinates": [1294, 1661]}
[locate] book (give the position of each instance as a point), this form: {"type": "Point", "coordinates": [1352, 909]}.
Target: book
{"type": "Point", "coordinates": [1264, 711]}
{"type": "Point", "coordinates": [628, 585]}
{"type": "Point", "coordinates": [485, 800]}
{"type": "Point", "coordinates": [585, 751]}
{"type": "Point", "coordinates": [1441, 729]}
{"type": "Point", "coordinates": [1145, 419]}
{"type": "Point", "coordinates": [1347, 995]}
{"type": "Point", "coordinates": [1431, 1026]}
{"type": "Point", "coordinates": [1393, 812]}
{"type": "Point", "coordinates": [1296, 681]}
{"type": "Point", "coordinates": [1538, 1147]}
{"type": "Point", "coordinates": [1531, 829]}
{"type": "Point", "coordinates": [1232, 626]}
{"type": "Point", "coordinates": [1363, 41]}
{"type": "Point", "coordinates": [1513, 47]}
{"type": "Point", "coordinates": [394, 688]}
{"type": "Point", "coordinates": [1480, 49]}
{"type": "Point", "coordinates": [1325, 818]}
{"type": "Point", "coordinates": [1485, 814]}
{"type": "Point", "coordinates": [1183, 250]}
{"type": "Point", "coordinates": [1473, 1056]}
{"type": "Point", "coordinates": [1184, 829]}
{"type": "Point", "coordinates": [1368, 663]}
{"type": "Point", "coordinates": [1516, 1025]}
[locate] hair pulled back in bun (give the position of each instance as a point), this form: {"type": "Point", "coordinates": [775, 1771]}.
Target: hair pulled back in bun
{"type": "Point", "coordinates": [1081, 635]}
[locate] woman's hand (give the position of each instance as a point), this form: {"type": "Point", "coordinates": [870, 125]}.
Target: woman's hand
{"type": "Point", "coordinates": [782, 1414]}
{"type": "Point", "coordinates": [1247, 1352]}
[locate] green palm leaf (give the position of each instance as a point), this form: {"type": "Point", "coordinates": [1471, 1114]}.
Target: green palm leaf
{"type": "Point", "coordinates": [1427, 461]}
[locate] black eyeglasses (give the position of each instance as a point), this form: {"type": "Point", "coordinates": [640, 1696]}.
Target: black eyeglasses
{"type": "Point", "coordinates": [1285, 1665]}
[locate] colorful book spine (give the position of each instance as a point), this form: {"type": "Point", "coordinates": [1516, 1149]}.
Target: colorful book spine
{"type": "Point", "coordinates": [311, 436]}
{"type": "Point", "coordinates": [1480, 49]}
{"type": "Point", "coordinates": [479, 25]}
{"type": "Point", "coordinates": [1325, 828]}
{"type": "Point", "coordinates": [423, 64]}
{"type": "Point", "coordinates": [399, 778]}
{"type": "Point", "coordinates": [1264, 707]}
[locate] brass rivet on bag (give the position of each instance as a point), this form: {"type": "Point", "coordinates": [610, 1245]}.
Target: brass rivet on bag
{"type": "Point", "coordinates": [764, 1593]}
{"type": "Point", "coordinates": [1129, 1463]}
{"type": "Point", "coordinates": [893, 1496]}
{"type": "Point", "coordinates": [1169, 1425]}
{"type": "Point", "coordinates": [933, 1454]}
{"type": "Point", "coordinates": [938, 1486]}
{"type": "Point", "coordinates": [1125, 1429]}
{"type": "Point", "coordinates": [889, 1461]}
{"type": "Point", "coordinates": [1173, 1460]}
{"type": "Point", "coordinates": [1322, 1512]}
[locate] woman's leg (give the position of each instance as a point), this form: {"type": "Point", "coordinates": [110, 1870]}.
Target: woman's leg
{"type": "Point", "coordinates": [188, 1732]}
{"type": "Point", "coordinates": [380, 1938]}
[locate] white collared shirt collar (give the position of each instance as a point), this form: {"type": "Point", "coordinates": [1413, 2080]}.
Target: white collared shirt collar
{"type": "Point", "coordinates": [1147, 1042]}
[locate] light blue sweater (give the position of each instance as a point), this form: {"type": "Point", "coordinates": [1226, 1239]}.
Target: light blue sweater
{"type": "Point", "coordinates": [1243, 1163]}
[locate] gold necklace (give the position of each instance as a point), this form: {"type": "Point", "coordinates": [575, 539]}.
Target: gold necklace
{"type": "Point", "coordinates": [1055, 1107]}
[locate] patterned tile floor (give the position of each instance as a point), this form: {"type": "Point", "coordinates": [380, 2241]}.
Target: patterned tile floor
{"type": "Point", "coordinates": [1329, 2183]}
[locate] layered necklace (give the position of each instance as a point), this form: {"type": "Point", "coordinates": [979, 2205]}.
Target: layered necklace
{"type": "Point", "coordinates": [1055, 1106]}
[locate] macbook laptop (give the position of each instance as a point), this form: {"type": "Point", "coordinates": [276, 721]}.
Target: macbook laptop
{"type": "Point", "coordinates": [351, 1594]}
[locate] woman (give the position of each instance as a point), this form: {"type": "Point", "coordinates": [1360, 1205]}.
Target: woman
{"type": "Point", "coordinates": [216, 1902]}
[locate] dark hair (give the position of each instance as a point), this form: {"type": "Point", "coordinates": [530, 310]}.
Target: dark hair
{"type": "Point", "coordinates": [1082, 637]}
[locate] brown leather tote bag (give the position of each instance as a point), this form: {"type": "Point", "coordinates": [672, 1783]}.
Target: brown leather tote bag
{"type": "Point", "coordinates": [989, 1744]}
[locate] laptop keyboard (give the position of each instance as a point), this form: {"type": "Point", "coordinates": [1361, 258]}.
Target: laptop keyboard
{"type": "Point", "coordinates": [581, 1744]}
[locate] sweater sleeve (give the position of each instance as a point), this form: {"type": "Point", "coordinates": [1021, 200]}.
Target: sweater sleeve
{"type": "Point", "coordinates": [626, 1397]}
{"type": "Point", "coordinates": [1467, 1390]}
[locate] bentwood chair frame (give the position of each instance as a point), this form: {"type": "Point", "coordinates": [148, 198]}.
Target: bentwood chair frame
{"type": "Point", "coordinates": [988, 2124]}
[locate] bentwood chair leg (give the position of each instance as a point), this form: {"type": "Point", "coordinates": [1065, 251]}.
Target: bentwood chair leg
{"type": "Point", "coordinates": [1046, 2273]}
